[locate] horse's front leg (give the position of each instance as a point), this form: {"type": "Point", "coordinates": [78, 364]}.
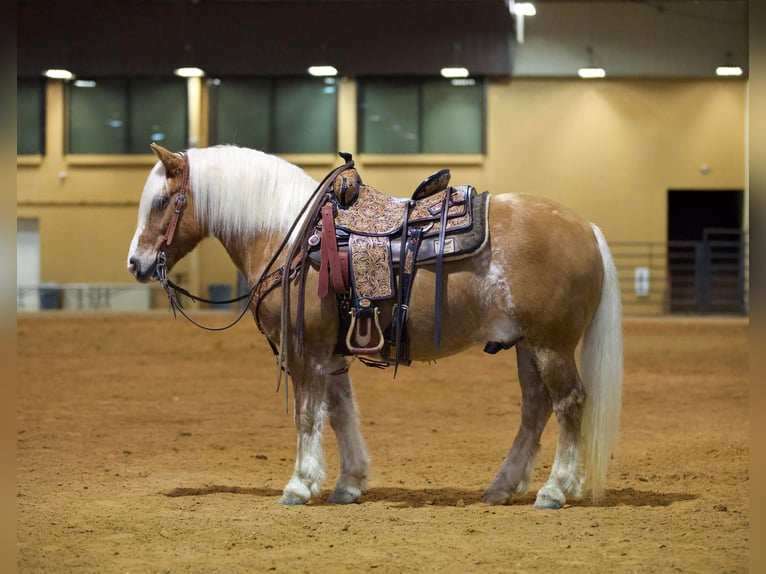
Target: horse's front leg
{"type": "Point", "coordinates": [354, 460]}
{"type": "Point", "coordinates": [309, 386]}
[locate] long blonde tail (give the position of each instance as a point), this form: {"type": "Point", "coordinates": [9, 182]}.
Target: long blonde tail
{"type": "Point", "coordinates": [601, 372]}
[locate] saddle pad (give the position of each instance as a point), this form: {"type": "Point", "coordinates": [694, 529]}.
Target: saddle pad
{"type": "Point", "coordinates": [458, 243]}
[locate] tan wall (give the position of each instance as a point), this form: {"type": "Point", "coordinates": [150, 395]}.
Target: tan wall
{"type": "Point", "coordinates": [609, 149]}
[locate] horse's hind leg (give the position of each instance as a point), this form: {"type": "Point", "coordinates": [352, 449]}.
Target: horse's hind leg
{"type": "Point", "coordinates": [559, 373]}
{"type": "Point", "coordinates": [354, 461]}
{"type": "Point", "coordinates": [516, 471]}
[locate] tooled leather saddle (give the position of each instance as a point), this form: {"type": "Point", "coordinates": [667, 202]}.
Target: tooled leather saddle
{"type": "Point", "coordinates": [368, 246]}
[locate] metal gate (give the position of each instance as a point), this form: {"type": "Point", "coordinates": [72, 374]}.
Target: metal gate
{"type": "Point", "coordinates": [708, 276]}
{"type": "Point", "coordinates": [686, 277]}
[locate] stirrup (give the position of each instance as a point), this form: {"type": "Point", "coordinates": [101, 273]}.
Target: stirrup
{"type": "Point", "coordinates": [350, 335]}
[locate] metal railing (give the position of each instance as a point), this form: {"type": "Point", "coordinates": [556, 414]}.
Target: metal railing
{"type": "Point", "coordinates": [704, 277]}
{"type": "Point", "coordinates": [85, 297]}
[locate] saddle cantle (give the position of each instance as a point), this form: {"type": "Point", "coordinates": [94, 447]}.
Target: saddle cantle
{"type": "Point", "coordinates": [368, 245]}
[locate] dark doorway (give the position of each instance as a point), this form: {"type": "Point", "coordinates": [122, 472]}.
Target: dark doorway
{"type": "Point", "coordinates": [706, 252]}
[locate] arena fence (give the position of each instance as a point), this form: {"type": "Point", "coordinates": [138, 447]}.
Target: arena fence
{"type": "Point", "coordinates": [656, 278]}
{"type": "Point", "coordinates": [85, 297]}
{"type": "Point", "coordinates": [704, 277]}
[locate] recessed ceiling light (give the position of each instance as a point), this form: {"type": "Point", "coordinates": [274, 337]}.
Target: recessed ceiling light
{"type": "Point", "coordinates": [189, 72]}
{"type": "Point", "coordinates": [728, 71]}
{"type": "Point", "coordinates": [322, 71]}
{"type": "Point", "coordinates": [524, 9]}
{"type": "Point", "coordinates": [589, 73]}
{"type": "Point", "coordinates": [58, 74]}
{"type": "Point", "coordinates": [454, 72]}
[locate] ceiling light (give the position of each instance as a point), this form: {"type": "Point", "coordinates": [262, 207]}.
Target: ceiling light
{"type": "Point", "coordinates": [189, 72]}
{"type": "Point", "coordinates": [323, 71]}
{"type": "Point", "coordinates": [454, 72]}
{"type": "Point", "coordinates": [728, 71]}
{"type": "Point", "coordinates": [524, 9]}
{"type": "Point", "coordinates": [58, 74]}
{"type": "Point", "coordinates": [590, 73]}
{"type": "Point", "coordinates": [85, 83]}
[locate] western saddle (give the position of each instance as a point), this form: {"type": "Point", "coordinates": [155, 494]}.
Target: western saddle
{"type": "Point", "coordinates": [368, 246]}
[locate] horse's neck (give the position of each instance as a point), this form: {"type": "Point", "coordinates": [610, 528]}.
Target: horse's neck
{"type": "Point", "coordinates": [250, 209]}
{"type": "Point", "coordinates": [253, 250]}
{"type": "Point", "coordinates": [251, 255]}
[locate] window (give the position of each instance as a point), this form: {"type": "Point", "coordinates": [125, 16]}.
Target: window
{"type": "Point", "coordinates": [421, 116]}
{"type": "Point", "coordinates": [30, 117]}
{"type": "Point", "coordinates": [123, 116]}
{"type": "Point", "coordinates": [282, 115]}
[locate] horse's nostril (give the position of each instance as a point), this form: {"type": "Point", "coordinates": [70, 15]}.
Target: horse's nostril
{"type": "Point", "coordinates": [133, 265]}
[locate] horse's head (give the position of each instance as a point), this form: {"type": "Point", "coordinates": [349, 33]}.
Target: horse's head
{"type": "Point", "coordinates": [166, 218]}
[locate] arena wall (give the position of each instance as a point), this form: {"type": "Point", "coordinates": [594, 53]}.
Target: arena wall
{"type": "Point", "coordinates": [608, 149]}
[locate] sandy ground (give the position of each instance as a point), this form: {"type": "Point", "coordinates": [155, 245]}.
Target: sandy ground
{"type": "Point", "coordinates": [147, 445]}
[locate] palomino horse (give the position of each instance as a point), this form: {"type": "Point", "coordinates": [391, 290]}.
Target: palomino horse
{"type": "Point", "coordinates": [544, 282]}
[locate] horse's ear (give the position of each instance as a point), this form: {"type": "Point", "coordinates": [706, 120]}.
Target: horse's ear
{"type": "Point", "coordinates": [173, 163]}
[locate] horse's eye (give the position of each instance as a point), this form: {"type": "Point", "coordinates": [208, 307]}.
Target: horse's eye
{"type": "Point", "coordinates": [162, 201]}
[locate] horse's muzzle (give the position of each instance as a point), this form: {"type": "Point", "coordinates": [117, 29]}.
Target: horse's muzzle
{"type": "Point", "coordinates": [144, 274]}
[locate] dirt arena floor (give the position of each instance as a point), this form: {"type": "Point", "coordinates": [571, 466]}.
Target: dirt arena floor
{"type": "Point", "coordinates": [147, 445]}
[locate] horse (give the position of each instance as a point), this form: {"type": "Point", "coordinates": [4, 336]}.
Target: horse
{"type": "Point", "coordinates": [544, 283]}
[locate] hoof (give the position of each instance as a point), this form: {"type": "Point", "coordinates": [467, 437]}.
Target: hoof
{"type": "Point", "coordinates": [549, 499]}
{"type": "Point", "coordinates": [343, 497]}
{"type": "Point", "coordinates": [292, 500]}
{"type": "Point", "coordinates": [547, 504]}
{"type": "Point", "coordinates": [496, 498]}
{"type": "Point", "coordinates": [295, 494]}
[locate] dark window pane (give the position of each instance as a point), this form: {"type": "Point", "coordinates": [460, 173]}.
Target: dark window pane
{"type": "Point", "coordinates": [390, 117]}
{"type": "Point", "coordinates": [30, 116]}
{"type": "Point", "coordinates": [422, 116]}
{"type": "Point", "coordinates": [157, 114]}
{"type": "Point", "coordinates": [242, 112]}
{"type": "Point", "coordinates": [98, 116]}
{"type": "Point", "coordinates": [285, 115]}
{"type": "Point", "coordinates": [452, 117]}
{"type": "Point", "coordinates": [118, 116]}
{"type": "Point", "coordinates": [304, 116]}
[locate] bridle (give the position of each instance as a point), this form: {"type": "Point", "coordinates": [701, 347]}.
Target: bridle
{"type": "Point", "coordinates": [173, 289]}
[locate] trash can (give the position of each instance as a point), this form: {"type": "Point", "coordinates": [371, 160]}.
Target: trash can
{"type": "Point", "coordinates": [220, 292]}
{"type": "Point", "coordinates": [50, 296]}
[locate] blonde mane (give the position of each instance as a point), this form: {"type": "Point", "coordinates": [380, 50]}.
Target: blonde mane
{"type": "Point", "coordinates": [240, 191]}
